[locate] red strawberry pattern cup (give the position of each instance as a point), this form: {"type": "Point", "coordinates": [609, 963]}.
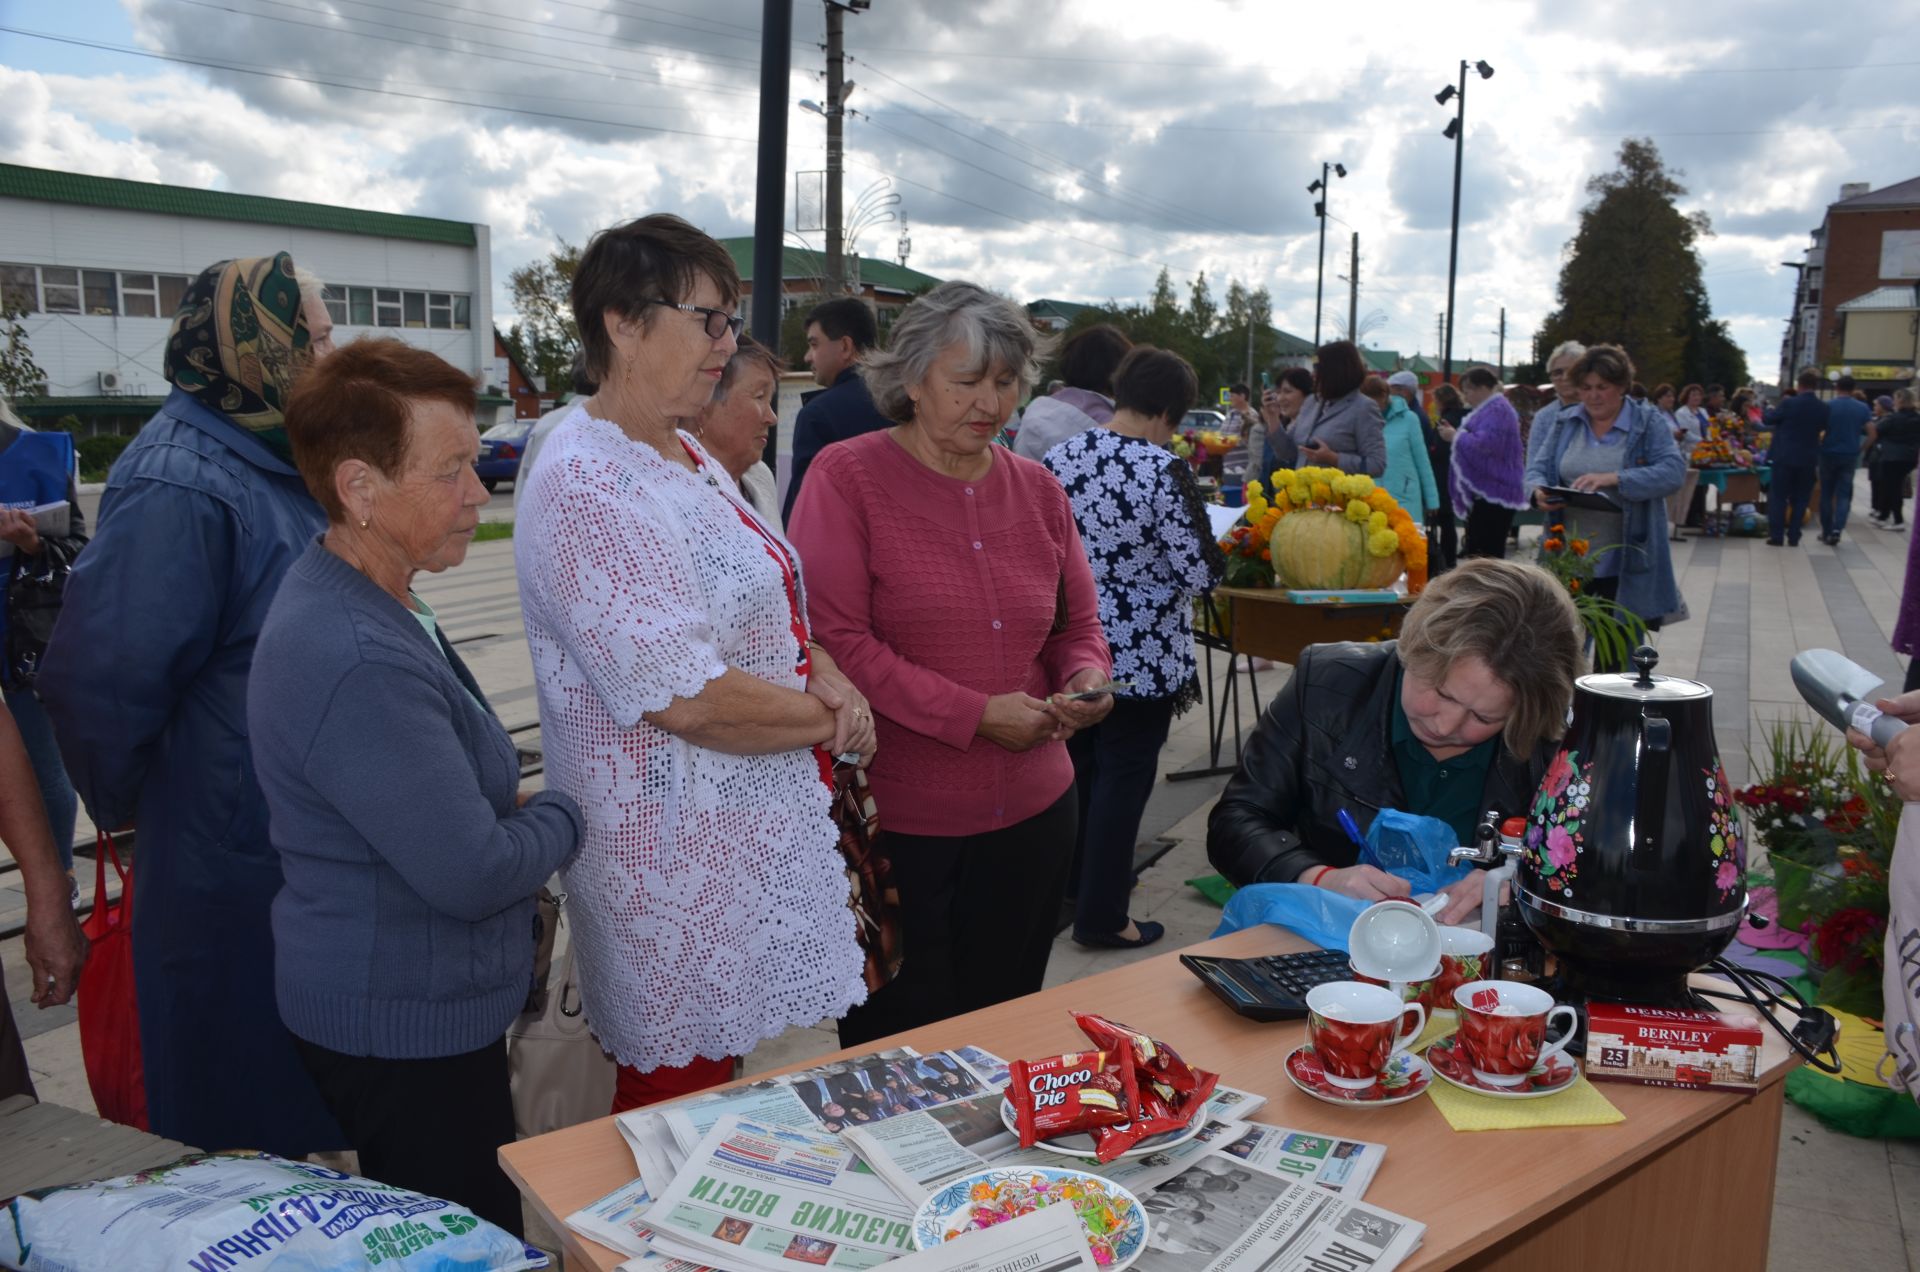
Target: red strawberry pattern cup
{"type": "Point", "coordinates": [1503, 1029]}
{"type": "Point", "coordinates": [1466, 954]}
{"type": "Point", "coordinates": [1355, 1028]}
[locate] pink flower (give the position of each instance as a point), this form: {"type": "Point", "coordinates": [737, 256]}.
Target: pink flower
{"type": "Point", "coordinates": [1727, 876]}
{"type": "Point", "coordinates": [1559, 773]}
{"type": "Point", "coordinates": [1560, 847]}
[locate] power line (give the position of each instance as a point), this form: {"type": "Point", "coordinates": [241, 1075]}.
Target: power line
{"type": "Point", "coordinates": [999, 55]}
{"type": "Point", "coordinates": [359, 88]}
{"type": "Point", "coordinates": [1144, 202]}
{"type": "Point", "coordinates": [554, 59]}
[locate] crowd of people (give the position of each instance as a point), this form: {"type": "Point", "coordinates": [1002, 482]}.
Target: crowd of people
{"type": "Point", "coordinates": [336, 858]}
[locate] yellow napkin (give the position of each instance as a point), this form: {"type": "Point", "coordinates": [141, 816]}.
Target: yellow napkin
{"type": "Point", "coordinates": [1578, 1105]}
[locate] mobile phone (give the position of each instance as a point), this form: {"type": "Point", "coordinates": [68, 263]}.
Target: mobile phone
{"type": "Point", "coordinates": [1098, 691]}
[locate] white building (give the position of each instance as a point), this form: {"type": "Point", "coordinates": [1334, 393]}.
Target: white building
{"type": "Point", "coordinates": [97, 266]}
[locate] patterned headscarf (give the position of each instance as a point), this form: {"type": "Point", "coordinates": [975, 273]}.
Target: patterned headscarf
{"type": "Point", "coordinates": [237, 340]}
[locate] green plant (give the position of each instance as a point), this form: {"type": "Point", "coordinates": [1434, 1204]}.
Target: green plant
{"type": "Point", "coordinates": [98, 453]}
{"type": "Point", "coordinates": [1828, 826]}
{"type": "Point", "coordinates": [1615, 630]}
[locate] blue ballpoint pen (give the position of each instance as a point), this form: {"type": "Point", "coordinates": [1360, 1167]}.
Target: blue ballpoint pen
{"type": "Point", "coordinates": [1352, 828]}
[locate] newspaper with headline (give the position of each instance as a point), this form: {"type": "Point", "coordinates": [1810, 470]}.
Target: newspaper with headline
{"type": "Point", "coordinates": [1223, 1213]}
{"type": "Point", "coordinates": [859, 1091]}
{"type": "Point", "coordinates": [760, 1198]}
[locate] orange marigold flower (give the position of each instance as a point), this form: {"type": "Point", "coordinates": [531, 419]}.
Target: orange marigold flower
{"type": "Point", "coordinates": [1573, 585]}
{"type": "Point", "coordinates": [1579, 547]}
{"type": "Point", "coordinates": [1266, 554]}
{"type": "Point", "coordinates": [1553, 545]}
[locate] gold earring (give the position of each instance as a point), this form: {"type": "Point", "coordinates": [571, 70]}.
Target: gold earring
{"type": "Point", "coordinates": [363, 523]}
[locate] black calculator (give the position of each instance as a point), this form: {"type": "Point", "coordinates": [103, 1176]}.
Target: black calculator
{"type": "Point", "coordinates": [1270, 988]}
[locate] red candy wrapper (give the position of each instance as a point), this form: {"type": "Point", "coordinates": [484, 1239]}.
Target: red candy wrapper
{"type": "Point", "coordinates": [1161, 1109]}
{"type": "Point", "coordinates": [1156, 1061]}
{"type": "Point", "coordinates": [1079, 1091]}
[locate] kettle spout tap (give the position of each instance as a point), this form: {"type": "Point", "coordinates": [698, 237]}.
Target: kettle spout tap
{"type": "Point", "coordinates": [1490, 844]}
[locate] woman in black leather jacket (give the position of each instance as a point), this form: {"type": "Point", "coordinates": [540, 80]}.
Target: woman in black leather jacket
{"type": "Point", "coordinates": [1489, 651]}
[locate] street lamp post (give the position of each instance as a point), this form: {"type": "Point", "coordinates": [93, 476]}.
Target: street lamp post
{"type": "Point", "coordinates": [1456, 132]}
{"type": "Point", "coordinates": [1322, 189]}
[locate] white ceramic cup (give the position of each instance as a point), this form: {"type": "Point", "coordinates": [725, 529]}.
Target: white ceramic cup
{"type": "Point", "coordinates": [1394, 941]}
{"type": "Point", "coordinates": [1355, 1028]}
{"type": "Point", "coordinates": [1503, 1029]}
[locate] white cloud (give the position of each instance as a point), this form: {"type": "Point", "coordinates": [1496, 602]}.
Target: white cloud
{"type": "Point", "coordinates": [1143, 133]}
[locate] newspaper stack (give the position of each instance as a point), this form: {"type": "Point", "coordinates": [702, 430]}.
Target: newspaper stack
{"type": "Point", "coordinates": [825, 1169]}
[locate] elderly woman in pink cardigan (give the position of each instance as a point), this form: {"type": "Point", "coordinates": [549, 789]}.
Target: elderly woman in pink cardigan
{"type": "Point", "coordinates": [945, 575]}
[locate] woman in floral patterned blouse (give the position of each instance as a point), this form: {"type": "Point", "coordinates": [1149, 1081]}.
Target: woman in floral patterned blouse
{"type": "Point", "coordinates": [1147, 537]}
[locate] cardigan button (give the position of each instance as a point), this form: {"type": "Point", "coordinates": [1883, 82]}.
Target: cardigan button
{"type": "Point", "coordinates": [976, 545]}
{"type": "Point", "coordinates": [969, 489]}
{"type": "Point", "coordinates": [996, 624]}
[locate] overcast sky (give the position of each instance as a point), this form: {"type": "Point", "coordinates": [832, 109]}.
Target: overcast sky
{"type": "Point", "coordinates": [1062, 149]}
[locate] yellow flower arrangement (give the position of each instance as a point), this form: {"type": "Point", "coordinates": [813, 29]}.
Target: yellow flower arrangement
{"type": "Point", "coordinates": [1384, 526]}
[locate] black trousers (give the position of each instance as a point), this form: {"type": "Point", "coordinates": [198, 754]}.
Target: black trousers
{"type": "Point", "coordinates": [430, 1125]}
{"type": "Point", "coordinates": [1913, 676]}
{"type": "Point", "coordinates": [1787, 496]}
{"type": "Point", "coordinates": [1114, 766]}
{"type": "Point", "coordinates": [1888, 481]}
{"type": "Point", "coordinates": [1487, 527]}
{"type": "Point", "coordinates": [977, 916]}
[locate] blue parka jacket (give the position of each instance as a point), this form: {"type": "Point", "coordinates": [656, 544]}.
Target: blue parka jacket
{"type": "Point", "coordinates": [146, 680]}
{"type": "Point", "coordinates": [1651, 470]}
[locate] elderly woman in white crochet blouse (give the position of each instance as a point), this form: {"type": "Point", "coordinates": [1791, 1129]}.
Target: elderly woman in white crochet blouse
{"type": "Point", "coordinates": [682, 702]}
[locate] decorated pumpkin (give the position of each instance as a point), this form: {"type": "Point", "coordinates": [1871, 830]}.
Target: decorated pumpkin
{"type": "Point", "coordinates": [1322, 529]}
{"type": "Point", "coordinates": [1315, 548]}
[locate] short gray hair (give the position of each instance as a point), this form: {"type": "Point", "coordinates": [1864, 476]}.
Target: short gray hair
{"type": "Point", "coordinates": [1567, 349]}
{"type": "Point", "coordinates": [992, 328]}
{"type": "Point", "coordinates": [311, 287]}
{"type": "Point", "coordinates": [1903, 398]}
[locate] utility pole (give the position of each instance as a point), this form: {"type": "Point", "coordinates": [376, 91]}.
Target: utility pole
{"type": "Point", "coordinates": [836, 118]}
{"type": "Point", "coordinates": [1248, 378]}
{"type": "Point", "coordinates": [1324, 190]}
{"type": "Point", "coordinates": [1456, 132]}
{"type": "Point", "coordinates": [1500, 360]}
{"type": "Point", "coordinates": [1353, 292]}
{"type": "Point", "coordinates": [1440, 330]}
{"type": "Point", "coordinates": [770, 187]}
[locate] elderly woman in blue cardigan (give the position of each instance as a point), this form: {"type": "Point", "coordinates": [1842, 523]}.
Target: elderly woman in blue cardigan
{"type": "Point", "coordinates": [1609, 443]}
{"type": "Point", "coordinates": [402, 936]}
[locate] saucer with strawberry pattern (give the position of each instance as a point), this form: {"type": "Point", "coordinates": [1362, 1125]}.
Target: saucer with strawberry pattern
{"type": "Point", "coordinates": [1407, 1077]}
{"type": "Point", "coordinates": [1449, 1060]}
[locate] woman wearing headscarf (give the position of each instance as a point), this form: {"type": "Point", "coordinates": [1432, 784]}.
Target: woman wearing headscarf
{"type": "Point", "coordinates": [146, 679]}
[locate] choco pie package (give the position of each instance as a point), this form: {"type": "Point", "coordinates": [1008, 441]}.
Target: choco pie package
{"type": "Point", "coordinates": [1075, 1092]}
{"type": "Point", "coordinates": [1163, 1092]}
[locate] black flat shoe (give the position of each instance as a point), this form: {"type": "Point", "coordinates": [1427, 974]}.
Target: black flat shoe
{"type": "Point", "coordinates": [1149, 933]}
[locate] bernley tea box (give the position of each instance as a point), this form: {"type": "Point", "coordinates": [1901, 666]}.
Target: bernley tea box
{"type": "Point", "coordinates": [1657, 1047]}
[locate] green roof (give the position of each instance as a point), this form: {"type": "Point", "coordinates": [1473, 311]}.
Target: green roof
{"type": "Point", "coordinates": [804, 262]}
{"type": "Point", "coordinates": [1382, 359]}
{"type": "Point", "coordinates": [1289, 345]}
{"type": "Point", "coordinates": [1066, 310]}
{"type": "Point", "coordinates": [142, 196]}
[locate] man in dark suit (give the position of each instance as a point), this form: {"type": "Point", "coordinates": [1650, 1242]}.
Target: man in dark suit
{"type": "Point", "coordinates": [1798, 424]}
{"type": "Point", "coordinates": [838, 332]}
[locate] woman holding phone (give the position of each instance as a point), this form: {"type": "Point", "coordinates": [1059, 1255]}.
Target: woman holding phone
{"type": "Point", "coordinates": [949, 572]}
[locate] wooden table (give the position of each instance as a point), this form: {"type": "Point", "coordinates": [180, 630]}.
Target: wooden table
{"type": "Point", "coordinates": [1685, 1182]}
{"type": "Point", "coordinates": [1262, 623]}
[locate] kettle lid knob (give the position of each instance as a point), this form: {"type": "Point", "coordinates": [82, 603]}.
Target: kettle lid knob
{"type": "Point", "coordinates": [1645, 658]}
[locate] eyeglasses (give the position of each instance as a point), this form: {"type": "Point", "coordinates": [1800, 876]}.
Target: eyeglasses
{"type": "Point", "coordinates": [718, 321]}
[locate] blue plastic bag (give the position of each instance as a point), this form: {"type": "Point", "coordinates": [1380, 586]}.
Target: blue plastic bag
{"type": "Point", "coordinates": [1414, 848]}
{"type": "Point", "coordinates": [1318, 914]}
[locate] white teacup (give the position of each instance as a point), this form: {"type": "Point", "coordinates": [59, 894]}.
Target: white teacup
{"type": "Point", "coordinates": [1355, 1028]}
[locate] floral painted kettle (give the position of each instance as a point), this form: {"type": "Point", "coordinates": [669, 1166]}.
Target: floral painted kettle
{"type": "Point", "coordinates": [1632, 868]}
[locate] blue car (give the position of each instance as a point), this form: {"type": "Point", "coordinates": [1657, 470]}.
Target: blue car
{"type": "Point", "coordinates": [500, 450]}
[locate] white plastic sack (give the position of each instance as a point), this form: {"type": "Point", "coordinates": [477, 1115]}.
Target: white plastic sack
{"type": "Point", "coordinates": [218, 1211]}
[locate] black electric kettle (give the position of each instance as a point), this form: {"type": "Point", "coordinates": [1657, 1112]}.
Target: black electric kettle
{"type": "Point", "coordinates": [1633, 867]}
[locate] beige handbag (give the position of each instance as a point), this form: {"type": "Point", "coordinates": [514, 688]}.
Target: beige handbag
{"type": "Point", "coordinates": [559, 1075]}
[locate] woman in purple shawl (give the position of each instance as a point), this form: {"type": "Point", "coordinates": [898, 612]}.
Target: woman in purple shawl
{"type": "Point", "coordinates": [1488, 465]}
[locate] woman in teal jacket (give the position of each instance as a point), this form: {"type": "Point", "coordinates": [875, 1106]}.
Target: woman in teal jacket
{"type": "Point", "coordinates": [1409, 475]}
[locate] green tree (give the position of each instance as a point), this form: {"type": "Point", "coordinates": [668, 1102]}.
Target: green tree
{"type": "Point", "coordinates": [546, 338]}
{"type": "Point", "coordinates": [20, 375]}
{"type": "Point", "coordinates": [1632, 273]}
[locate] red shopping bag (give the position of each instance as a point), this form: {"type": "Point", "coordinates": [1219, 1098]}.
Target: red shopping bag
{"type": "Point", "coordinates": [109, 1012]}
